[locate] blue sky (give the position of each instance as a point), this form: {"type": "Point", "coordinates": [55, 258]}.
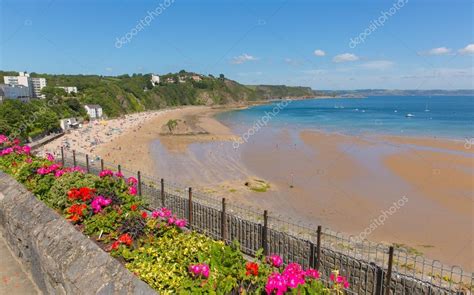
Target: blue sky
{"type": "Point", "coordinates": [415, 44]}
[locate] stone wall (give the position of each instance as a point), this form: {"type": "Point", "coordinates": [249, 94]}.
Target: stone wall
{"type": "Point", "coordinates": [60, 259]}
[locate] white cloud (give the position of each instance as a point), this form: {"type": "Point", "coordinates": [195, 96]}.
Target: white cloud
{"type": "Point", "coordinates": [469, 49]}
{"type": "Point", "coordinates": [243, 59]}
{"type": "Point", "coordinates": [378, 64]}
{"type": "Point", "coordinates": [345, 57]}
{"type": "Point", "coordinates": [319, 52]}
{"type": "Point", "coordinates": [109, 69]}
{"type": "Point", "coordinates": [438, 51]}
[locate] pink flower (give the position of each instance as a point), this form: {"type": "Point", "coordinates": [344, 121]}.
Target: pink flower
{"type": "Point", "coordinates": [26, 150]}
{"type": "Point", "coordinates": [276, 282]}
{"type": "Point", "coordinates": [132, 181]}
{"type": "Point", "coordinates": [99, 203]}
{"type": "Point", "coordinates": [6, 151]}
{"type": "Point", "coordinates": [3, 139]}
{"type": "Point", "coordinates": [42, 171]}
{"type": "Point", "coordinates": [199, 270]}
{"type": "Point", "coordinates": [119, 174]}
{"type": "Point", "coordinates": [28, 160]}
{"type": "Point", "coordinates": [49, 157]}
{"type": "Point", "coordinates": [312, 273]}
{"type": "Point", "coordinates": [180, 223]}
{"type": "Point", "coordinates": [132, 190]}
{"type": "Point", "coordinates": [105, 173]}
{"type": "Point", "coordinates": [275, 260]}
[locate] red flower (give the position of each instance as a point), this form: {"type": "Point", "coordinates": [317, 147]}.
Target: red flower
{"type": "Point", "coordinates": [76, 211]}
{"type": "Point", "coordinates": [84, 194]}
{"type": "Point", "coordinates": [144, 215]}
{"type": "Point", "coordinates": [252, 268]}
{"type": "Point", "coordinates": [125, 239]}
{"type": "Point", "coordinates": [133, 207]}
{"type": "Point", "coordinates": [115, 245]}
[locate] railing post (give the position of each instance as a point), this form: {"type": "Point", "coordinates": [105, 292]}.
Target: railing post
{"type": "Point", "coordinates": [139, 179]}
{"type": "Point", "coordinates": [265, 233]}
{"type": "Point", "coordinates": [318, 248]}
{"type": "Point", "coordinates": [119, 168]}
{"type": "Point", "coordinates": [311, 254]}
{"type": "Point", "coordinates": [87, 163]}
{"type": "Point", "coordinates": [389, 271]}
{"type": "Point", "coordinates": [223, 222]}
{"type": "Point", "coordinates": [101, 164]}
{"type": "Point", "coordinates": [62, 156]}
{"type": "Point", "coordinates": [162, 192]}
{"type": "Point", "coordinates": [190, 207]}
{"type": "Point", "coordinates": [74, 158]}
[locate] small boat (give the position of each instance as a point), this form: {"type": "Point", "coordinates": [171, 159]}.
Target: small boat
{"type": "Point", "coordinates": [426, 108]}
{"type": "Point", "coordinates": [395, 111]}
{"type": "Point", "coordinates": [409, 115]}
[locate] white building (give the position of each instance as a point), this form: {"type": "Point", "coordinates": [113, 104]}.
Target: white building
{"type": "Point", "coordinates": [94, 111]}
{"type": "Point", "coordinates": [69, 89]}
{"type": "Point", "coordinates": [14, 92]}
{"type": "Point", "coordinates": [38, 84]}
{"type": "Point", "coordinates": [155, 80]}
{"type": "Point", "coordinates": [34, 84]}
{"type": "Point", "coordinates": [69, 123]}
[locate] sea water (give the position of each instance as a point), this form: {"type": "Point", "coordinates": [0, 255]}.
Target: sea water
{"type": "Point", "coordinates": [449, 117]}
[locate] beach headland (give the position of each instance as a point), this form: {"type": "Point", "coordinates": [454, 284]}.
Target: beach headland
{"type": "Point", "coordinates": [340, 181]}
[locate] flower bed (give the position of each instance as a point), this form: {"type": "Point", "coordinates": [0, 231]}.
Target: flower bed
{"type": "Point", "coordinates": [155, 246]}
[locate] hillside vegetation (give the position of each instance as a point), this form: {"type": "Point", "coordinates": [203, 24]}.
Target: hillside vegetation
{"type": "Point", "coordinates": [124, 94]}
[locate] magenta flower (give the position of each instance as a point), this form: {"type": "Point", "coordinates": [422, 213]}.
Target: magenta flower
{"type": "Point", "coordinates": [132, 190]}
{"type": "Point", "coordinates": [275, 260]}
{"type": "Point", "coordinates": [99, 203]}
{"type": "Point", "coordinates": [3, 139]}
{"type": "Point", "coordinates": [6, 151]}
{"type": "Point", "coordinates": [276, 282]}
{"type": "Point", "coordinates": [49, 157]}
{"type": "Point", "coordinates": [105, 173]}
{"type": "Point", "coordinates": [199, 270]}
{"type": "Point", "coordinates": [26, 150]}
{"type": "Point", "coordinates": [119, 174]}
{"type": "Point", "coordinates": [180, 223]}
{"type": "Point", "coordinates": [171, 220]}
{"type": "Point", "coordinates": [312, 273]}
{"type": "Point", "coordinates": [132, 181]}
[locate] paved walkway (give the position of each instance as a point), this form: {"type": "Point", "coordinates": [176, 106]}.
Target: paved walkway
{"type": "Point", "coordinates": [13, 280]}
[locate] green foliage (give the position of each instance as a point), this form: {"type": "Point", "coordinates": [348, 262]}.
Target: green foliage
{"type": "Point", "coordinates": [103, 223]}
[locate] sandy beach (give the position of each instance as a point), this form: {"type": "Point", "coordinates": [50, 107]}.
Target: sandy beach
{"type": "Point", "coordinates": [342, 182]}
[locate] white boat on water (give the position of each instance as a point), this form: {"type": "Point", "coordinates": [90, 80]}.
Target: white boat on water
{"type": "Point", "coordinates": [409, 115]}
